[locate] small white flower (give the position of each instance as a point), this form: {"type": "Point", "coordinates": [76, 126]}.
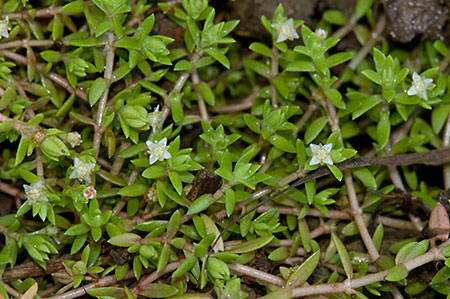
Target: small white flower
{"type": "Point", "coordinates": [74, 138]}
{"type": "Point", "coordinates": [285, 30]}
{"type": "Point", "coordinates": [419, 86]}
{"type": "Point", "coordinates": [320, 33]}
{"type": "Point", "coordinates": [35, 193]}
{"type": "Point", "coordinates": [89, 192]}
{"type": "Point", "coordinates": [155, 118]}
{"type": "Point", "coordinates": [321, 154]}
{"type": "Point", "coordinates": [158, 150]}
{"type": "Point", "coordinates": [82, 170]}
{"type": "Point", "coordinates": [4, 27]}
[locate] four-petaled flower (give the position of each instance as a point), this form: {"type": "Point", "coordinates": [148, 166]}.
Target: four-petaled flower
{"type": "Point", "coordinates": [155, 118]}
{"type": "Point", "coordinates": [285, 30]}
{"type": "Point", "coordinates": [35, 193]}
{"type": "Point", "coordinates": [321, 154]}
{"type": "Point", "coordinates": [158, 150]}
{"type": "Point", "coordinates": [89, 192]}
{"type": "Point", "coordinates": [82, 170]}
{"type": "Point", "coordinates": [419, 86]}
{"type": "Point", "coordinates": [74, 138]}
{"type": "Point", "coordinates": [4, 27]}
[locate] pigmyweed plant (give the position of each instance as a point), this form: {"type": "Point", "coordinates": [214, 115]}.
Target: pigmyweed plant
{"type": "Point", "coordinates": [135, 164]}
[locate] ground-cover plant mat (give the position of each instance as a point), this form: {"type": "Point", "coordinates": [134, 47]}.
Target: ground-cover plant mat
{"type": "Point", "coordinates": [165, 149]}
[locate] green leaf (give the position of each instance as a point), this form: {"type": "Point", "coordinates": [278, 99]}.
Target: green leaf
{"type": "Point", "coordinates": [315, 128]}
{"type": "Point", "coordinates": [366, 177]}
{"type": "Point", "coordinates": [301, 66]}
{"type": "Point", "coordinates": [338, 58]}
{"type": "Point", "coordinates": [362, 6]}
{"type": "Point", "coordinates": [74, 7]}
{"type": "Point", "coordinates": [207, 93]}
{"type": "Point", "coordinates": [163, 258]}
{"type": "Point", "coordinates": [252, 245]}
{"type": "Point", "coordinates": [217, 55]}
{"type": "Point", "coordinates": [335, 17]}
{"type": "Point", "coordinates": [343, 254]}
{"type": "Point", "coordinates": [279, 254]}
{"type": "Point", "coordinates": [218, 269]}
{"type": "Point", "coordinates": [77, 229]}
{"type": "Point", "coordinates": [87, 42]}
{"type": "Point", "coordinates": [174, 224]}
{"type": "Point", "coordinates": [439, 116]}
{"type": "Point", "coordinates": [22, 150]}
{"type": "Point", "coordinates": [282, 143]}
{"type": "Point", "coordinates": [230, 201]}
{"type": "Point", "coordinates": [158, 290]}
{"type": "Point", "coordinates": [378, 236]}
{"type": "Point", "coordinates": [383, 129]}
{"type": "Point", "coordinates": [183, 65]}
{"type": "Point", "coordinates": [176, 181]}
{"type": "Point", "coordinates": [411, 251]}
{"type": "Point", "coordinates": [304, 271]}
{"type": "Point", "coordinates": [200, 204]}
{"type": "Point", "coordinates": [337, 173]}
{"type": "Point", "coordinates": [372, 75]}
{"type": "Point", "coordinates": [441, 276]}
{"type": "Point", "coordinates": [133, 190]}
{"type": "Point", "coordinates": [124, 240]}
{"type": "Point", "coordinates": [154, 172]}
{"type": "Point", "coordinates": [113, 292]}
{"type": "Point", "coordinates": [397, 273]}
{"type": "Point", "coordinates": [335, 97]}
{"type": "Point", "coordinates": [98, 87]}
{"type": "Point", "coordinates": [260, 48]}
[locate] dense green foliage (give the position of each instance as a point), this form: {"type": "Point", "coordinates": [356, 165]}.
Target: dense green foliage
{"type": "Point", "coordinates": [128, 152]}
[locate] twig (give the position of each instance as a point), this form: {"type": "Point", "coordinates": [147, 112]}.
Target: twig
{"type": "Point", "coordinates": [51, 75]}
{"type": "Point", "coordinates": [201, 101]}
{"type": "Point", "coordinates": [305, 117]}
{"type": "Point", "coordinates": [49, 12]}
{"type": "Point", "coordinates": [260, 275]}
{"type": "Point", "coordinates": [349, 285]}
{"type": "Point", "coordinates": [240, 105]}
{"type": "Point", "coordinates": [274, 73]}
{"type": "Point", "coordinates": [155, 275]}
{"type": "Point", "coordinates": [98, 131]}
{"type": "Point", "coordinates": [26, 43]}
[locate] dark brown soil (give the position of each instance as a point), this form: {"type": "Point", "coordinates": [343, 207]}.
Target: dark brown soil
{"type": "Point", "coordinates": [408, 18]}
{"type": "Point", "coordinates": [427, 19]}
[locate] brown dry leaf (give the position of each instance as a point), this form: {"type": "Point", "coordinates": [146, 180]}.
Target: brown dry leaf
{"type": "Point", "coordinates": [439, 220]}
{"type": "Point", "coordinates": [31, 292]}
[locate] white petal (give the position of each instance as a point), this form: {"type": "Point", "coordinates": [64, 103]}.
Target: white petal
{"type": "Point", "coordinates": [314, 161]}
{"type": "Point", "coordinates": [90, 166]}
{"type": "Point", "coordinates": [5, 34]}
{"type": "Point", "coordinates": [424, 95]}
{"type": "Point", "coordinates": [38, 185]}
{"type": "Point", "coordinates": [314, 147]}
{"type": "Point", "coordinates": [150, 144]}
{"type": "Point", "coordinates": [328, 147]}
{"type": "Point", "coordinates": [87, 178]}
{"type": "Point", "coordinates": [416, 77]}
{"type": "Point", "coordinates": [153, 159]}
{"type": "Point", "coordinates": [27, 188]}
{"type": "Point", "coordinates": [166, 155]}
{"type": "Point", "coordinates": [281, 38]}
{"type": "Point", "coordinates": [427, 82]}
{"type": "Point", "coordinates": [157, 108]}
{"type": "Point", "coordinates": [328, 160]}
{"type": "Point", "coordinates": [77, 162]}
{"type": "Point", "coordinates": [412, 91]}
{"type": "Point", "coordinates": [73, 174]}
{"type": "Point", "coordinates": [163, 141]}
